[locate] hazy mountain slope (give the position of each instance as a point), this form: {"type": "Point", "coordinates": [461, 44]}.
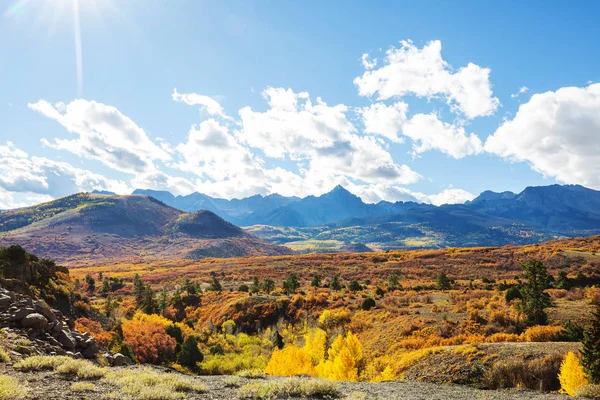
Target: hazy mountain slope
{"type": "Point", "coordinates": [122, 227]}
{"type": "Point", "coordinates": [234, 210]}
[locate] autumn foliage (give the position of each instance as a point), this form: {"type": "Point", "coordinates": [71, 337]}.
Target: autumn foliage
{"type": "Point", "coordinates": [342, 363]}
{"type": "Point", "coordinates": [147, 336]}
{"type": "Point", "coordinates": [88, 325]}
{"type": "Point", "coordinates": [571, 376]}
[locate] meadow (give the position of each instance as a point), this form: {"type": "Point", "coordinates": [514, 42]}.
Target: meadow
{"type": "Point", "coordinates": [451, 315]}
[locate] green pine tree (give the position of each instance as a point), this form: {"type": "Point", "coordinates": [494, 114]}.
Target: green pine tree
{"type": "Point", "coordinates": [535, 299]}
{"type": "Point", "coordinates": [190, 355]}
{"type": "Point", "coordinates": [591, 348]}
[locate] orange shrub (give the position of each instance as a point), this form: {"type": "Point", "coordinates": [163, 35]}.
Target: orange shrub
{"type": "Point", "coordinates": [87, 325]}
{"type": "Point", "coordinates": [148, 339]}
{"type": "Point", "coordinates": [542, 333]}
{"type": "Point", "coordinates": [503, 337]}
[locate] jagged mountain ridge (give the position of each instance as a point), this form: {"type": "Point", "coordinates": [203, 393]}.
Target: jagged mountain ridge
{"type": "Point", "coordinates": [556, 208]}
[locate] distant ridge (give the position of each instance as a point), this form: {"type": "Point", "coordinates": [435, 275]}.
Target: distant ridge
{"type": "Point", "coordinates": [110, 227]}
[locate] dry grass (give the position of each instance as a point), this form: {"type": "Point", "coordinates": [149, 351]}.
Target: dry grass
{"type": "Point", "coordinates": [83, 387]}
{"type": "Point", "coordinates": [147, 384]}
{"type": "Point", "coordinates": [12, 389]}
{"type": "Point", "coordinates": [252, 374]}
{"type": "Point", "coordinates": [63, 365]}
{"type": "Point", "coordinates": [4, 356]}
{"type": "Point", "coordinates": [41, 363]}
{"type": "Point", "coordinates": [233, 381]}
{"type": "Point", "coordinates": [292, 387]}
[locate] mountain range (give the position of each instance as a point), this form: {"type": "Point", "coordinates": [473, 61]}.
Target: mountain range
{"type": "Point", "coordinates": [338, 219]}
{"type": "Point", "coordinates": [110, 227]}
{"type": "Point", "coordinates": [159, 224]}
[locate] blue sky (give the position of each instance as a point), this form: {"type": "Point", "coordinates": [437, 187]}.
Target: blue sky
{"type": "Point", "coordinates": [246, 118]}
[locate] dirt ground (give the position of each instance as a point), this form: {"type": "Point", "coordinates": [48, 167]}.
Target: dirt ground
{"type": "Point", "coordinates": [52, 386]}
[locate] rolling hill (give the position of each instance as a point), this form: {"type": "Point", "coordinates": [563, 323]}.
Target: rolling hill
{"type": "Point", "coordinates": [110, 227]}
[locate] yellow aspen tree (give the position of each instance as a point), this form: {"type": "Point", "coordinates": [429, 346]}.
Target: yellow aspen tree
{"type": "Point", "coordinates": [571, 376]}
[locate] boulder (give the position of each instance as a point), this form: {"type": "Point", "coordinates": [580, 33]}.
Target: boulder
{"type": "Point", "coordinates": [34, 321]}
{"type": "Point", "coordinates": [120, 360]}
{"type": "Point", "coordinates": [41, 307]}
{"type": "Point", "coordinates": [91, 350]}
{"type": "Point", "coordinates": [66, 340]}
{"type": "Point", "coordinates": [5, 301]}
{"type": "Point", "coordinates": [21, 313]}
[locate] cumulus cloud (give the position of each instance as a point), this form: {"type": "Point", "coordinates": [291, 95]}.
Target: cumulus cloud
{"type": "Point", "coordinates": [384, 120]}
{"type": "Point", "coordinates": [428, 132]}
{"type": "Point", "coordinates": [40, 176]}
{"type": "Point", "coordinates": [207, 104]}
{"type": "Point", "coordinates": [104, 134]}
{"type": "Point", "coordinates": [321, 135]}
{"type": "Point", "coordinates": [393, 193]}
{"type": "Point", "coordinates": [424, 73]}
{"type": "Point", "coordinates": [557, 133]}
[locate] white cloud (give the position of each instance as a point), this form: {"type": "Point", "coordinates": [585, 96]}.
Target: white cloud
{"type": "Point", "coordinates": [105, 134]}
{"type": "Point", "coordinates": [159, 180]}
{"type": "Point", "coordinates": [39, 176]}
{"type": "Point", "coordinates": [320, 135]}
{"type": "Point", "coordinates": [424, 73]}
{"type": "Point", "coordinates": [367, 62]}
{"type": "Point", "coordinates": [450, 196]}
{"type": "Point", "coordinates": [206, 103]}
{"type": "Point", "coordinates": [380, 119]}
{"type": "Point", "coordinates": [428, 132]}
{"type": "Point", "coordinates": [393, 193]}
{"type": "Point", "coordinates": [522, 89]}
{"type": "Point", "coordinates": [557, 133]}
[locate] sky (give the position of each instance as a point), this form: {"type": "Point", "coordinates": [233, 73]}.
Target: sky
{"type": "Point", "coordinates": [433, 101]}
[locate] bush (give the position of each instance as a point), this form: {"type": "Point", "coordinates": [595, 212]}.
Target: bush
{"type": "Point", "coordinates": [367, 304]}
{"type": "Point", "coordinates": [542, 333]}
{"type": "Point", "coordinates": [148, 338]}
{"type": "Point", "coordinates": [537, 374]}
{"type": "Point", "coordinates": [512, 293]}
{"type": "Point", "coordinates": [571, 376]}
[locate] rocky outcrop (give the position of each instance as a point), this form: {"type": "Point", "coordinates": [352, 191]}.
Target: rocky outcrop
{"type": "Point", "coordinates": [45, 329]}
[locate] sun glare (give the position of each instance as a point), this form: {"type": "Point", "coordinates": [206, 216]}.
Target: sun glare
{"type": "Point", "coordinates": [48, 12]}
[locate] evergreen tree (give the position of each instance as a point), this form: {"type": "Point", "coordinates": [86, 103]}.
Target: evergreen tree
{"type": "Point", "coordinates": [535, 299]}
{"type": "Point", "coordinates": [443, 282]}
{"type": "Point", "coordinates": [148, 304]}
{"type": "Point", "coordinates": [591, 348]}
{"type": "Point", "coordinates": [255, 287]}
{"type": "Point", "coordinates": [163, 300]}
{"type": "Point", "coordinates": [291, 284]}
{"type": "Point", "coordinates": [354, 286]}
{"type": "Point", "coordinates": [138, 290]}
{"type": "Point", "coordinates": [563, 281]}
{"type": "Point", "coordinates": [268, 285]}
{"type": "Point", "coordinates": [316, 281]}
{"type": "Point", "coordinates": [91, 282]}
{"type": "Point", "coordinates": [335, 283]}
{"type": "Point", "coordinates": [215, 285]}
{"type": "Point", "coordinates": [393, 281]}
{"type": "Point", "coordinates": [190, 355]}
